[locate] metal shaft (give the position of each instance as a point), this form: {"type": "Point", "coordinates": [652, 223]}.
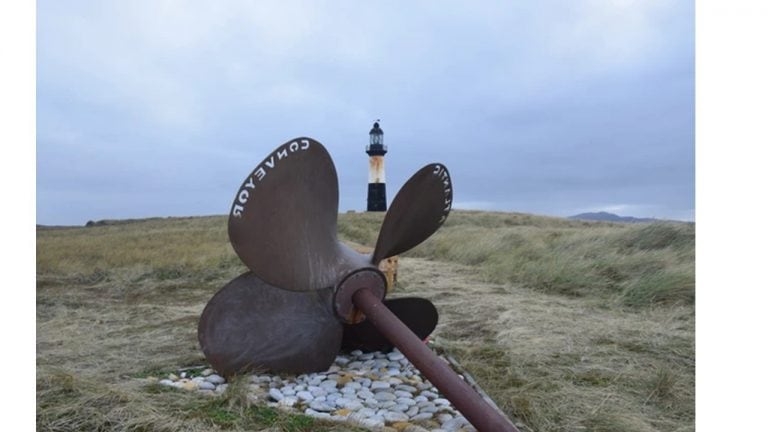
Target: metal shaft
{"type": "Point", "coordinates": [484, 417]}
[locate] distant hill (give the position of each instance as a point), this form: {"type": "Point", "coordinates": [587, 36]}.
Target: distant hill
{"type": "Point", "coordinates": [610, 217]}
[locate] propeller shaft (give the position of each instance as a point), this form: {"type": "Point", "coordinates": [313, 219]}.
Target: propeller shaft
{"type": "Point", "coordinates": [484, 417]}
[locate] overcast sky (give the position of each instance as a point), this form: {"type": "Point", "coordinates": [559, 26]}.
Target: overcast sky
{"type": "Point", "coordinates": [162, 108]}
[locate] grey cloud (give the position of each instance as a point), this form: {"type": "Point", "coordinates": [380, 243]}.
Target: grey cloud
{"type": "Point", "coordinates": [148, 108]}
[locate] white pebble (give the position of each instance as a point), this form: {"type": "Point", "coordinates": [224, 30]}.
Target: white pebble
{"type": "Point", "coordinates": [213, 378]}
{"type": "Point", "coordinates": [372, 423]}
{"type": "Point", "coordinates": [312, 413]}
{"type": "Point", "coordinates": [367, 412]}
{"type": "Point", "coordinates": [444, 417]}
{"type": "Point", "coordinates": [385, 396]}
{"type": "Point", "coordinates": [365, 394]}
{"type": "Point", "coordinates": [353, 385]}
{"type": "Point", "coordinates": [365, 382]}
{"type": "Point", "coordinates": [405, 387]}
{"type": "Point", "coordinates": [395, 356]}
{"type": "Point", "coordinates": [455, 423]}
{"type": "Point", "coordinates": [422, 416]}
{"type": "Point", "coordinates": [320, 406]}
{"type": "Point", "coordinates": [428, 394]}
{"type": "Point", "coordinates": [379, 385]}
{"type": "Point", "coordinates": [305, 395]}
{"type": "Point", "coordinates": [276, 394]}
{"type": "Point", "coordinates": [392, 416]}
{"type": "Point", "coordinates": [205, 385]}
{"type": "Point", "coordinates": [317, 392]}
{"type": "Point", "coordinates": [352, 405]}
{"type": "Point", "coordinates": [428, 408]}
{"type": "Point", "coordinates": [328, 384]}
{"type": "Point", "coordinates": [289, 401]}
{"type": "Point", "coordinates": [399, 408]}
{"type": "Point", "coordinates": [387, 404]}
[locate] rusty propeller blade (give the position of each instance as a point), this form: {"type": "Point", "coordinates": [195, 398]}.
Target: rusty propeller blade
{"type": "Point", "coordinates": [282, 223]}
{"type": "Point", "coordinates": [250, 325]}
{"type": "Point", "coordinates": [418, 210]}
{"type": "Point", "coordinates": [419, 314]}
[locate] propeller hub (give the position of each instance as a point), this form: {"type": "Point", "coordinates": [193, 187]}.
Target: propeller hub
{"type": "Point", "coordinates": [369, 277]}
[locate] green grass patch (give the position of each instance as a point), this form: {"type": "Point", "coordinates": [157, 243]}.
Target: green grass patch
{"type": "Point", "coordinates": [662, 287]}
{"type": "Point", "coordinates": [638, 265]}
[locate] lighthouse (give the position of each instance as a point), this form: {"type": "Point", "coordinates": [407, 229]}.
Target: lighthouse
{"type": "Point", "coordinates": [377, 189]}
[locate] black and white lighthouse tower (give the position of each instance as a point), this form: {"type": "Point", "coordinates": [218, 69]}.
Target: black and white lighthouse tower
{"type": "Point", "coordinates": [377, 188]}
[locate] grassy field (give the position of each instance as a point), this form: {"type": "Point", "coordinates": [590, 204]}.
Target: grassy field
{"type": "Point", "coordinates": [568, 325]}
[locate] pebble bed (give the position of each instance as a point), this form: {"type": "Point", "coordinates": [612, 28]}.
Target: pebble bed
{"type": "Point", "coordinates": [374, 390]}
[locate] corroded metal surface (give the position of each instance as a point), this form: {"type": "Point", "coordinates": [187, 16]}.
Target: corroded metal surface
{"type": "Point", "coordinates": [370, 278]}
{"type": "Point", "coordinates": [418, 210]}
{"type": "Point", "coordinates": [418, 314]}
{"type": "Point", "coordinates": [250, 325]}
{"type": "Point", "coordinates": [282, 223]}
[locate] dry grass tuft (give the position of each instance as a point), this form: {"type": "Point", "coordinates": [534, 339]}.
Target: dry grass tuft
{"type": "Point", "coordinates": [636, 265]}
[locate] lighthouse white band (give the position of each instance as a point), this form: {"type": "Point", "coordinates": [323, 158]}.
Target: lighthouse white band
{"type": "Point", "coordinates": [376, 170]}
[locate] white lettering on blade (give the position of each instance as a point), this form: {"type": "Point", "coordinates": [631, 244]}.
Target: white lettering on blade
{"type": "Point", "coordinates": [261, 172]}
{"type": "Point", "coordinates": [442, 174]}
